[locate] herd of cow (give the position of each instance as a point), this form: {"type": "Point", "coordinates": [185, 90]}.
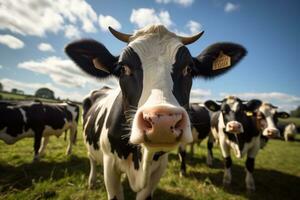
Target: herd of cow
{"type": "Point", "coordinates": [132, 129]}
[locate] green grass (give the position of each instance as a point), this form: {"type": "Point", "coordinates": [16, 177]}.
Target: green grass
{"type": "Point", "coordinates": [290, 120]}
{"type": "Point", "coordinates": [58, 176]}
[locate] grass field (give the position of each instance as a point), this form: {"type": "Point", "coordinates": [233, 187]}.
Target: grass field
{"type": "Point", "coordinates": [57, 176]}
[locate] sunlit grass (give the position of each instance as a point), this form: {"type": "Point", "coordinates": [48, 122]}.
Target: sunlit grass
{"type": "Point", "coordinates": [58, 176]}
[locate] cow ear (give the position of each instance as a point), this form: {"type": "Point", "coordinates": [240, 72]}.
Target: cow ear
{"type": "Point", "coordinates": [218, 59]}
{"type": "Point", "coordinates": [282, 115]}
{"type": "Point", "coordinates": [213, 106]}
{"type": "Point", "coordinates": [92, 57]}
{"type": "Point", "coordinates": [252, 105]}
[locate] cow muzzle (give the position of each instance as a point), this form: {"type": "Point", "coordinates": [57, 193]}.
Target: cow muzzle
{"type": "Point", "coordinates": [161, 126]}
{"type": "Point", "coordinates": [234, 127]}
{"type": "Point", "coordinates": [271, 132]}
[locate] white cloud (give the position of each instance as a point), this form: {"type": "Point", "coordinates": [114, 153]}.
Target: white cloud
{"type": "Point", "coordinates": [180, 2]}
{"type": "Point", "coordinates": [72, 32]}
{"type": "Point", "coordinates": [145, 16]}
{"type": "Point", "coordinates": [1, 66]}
{"type": "Point", "coordinates": [198, 95]}
{"type": "Point", "coordinates": [282, 100]}
{"type": "Point", "coordinates": [230, 7]}
{"type": "Point", "coordinates": [194, 27]}
{"type": "Point", "coordinates": [11, 41]}
{"type": "Point", "coordinates": [30, 88]}
{"type": "Point", "coordinates": [45, 47]}
{"type": "Point", "coordinates": [38, 17]}
{"type": "Point", "coordinates": [105, 21]}
{"type": "Point", "coordinates": [64, 72]}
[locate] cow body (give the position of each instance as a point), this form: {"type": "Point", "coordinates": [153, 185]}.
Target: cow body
{"type": "Point", "coordinates": [132, 128]}
{"type": "Point", "coordinates": [200, 123]}
{"type": "Point", "coordinates": [38, 120]}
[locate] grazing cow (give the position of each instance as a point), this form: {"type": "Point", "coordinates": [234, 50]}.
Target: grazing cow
{"type": "Point", "coordinates": [38, 120]}
{"type": "Point", "coordinates": [132, 128]}
{"type": "Point", "coordinates": [200, 122]}
{"type": "Point", "coordinates": [290, 132]}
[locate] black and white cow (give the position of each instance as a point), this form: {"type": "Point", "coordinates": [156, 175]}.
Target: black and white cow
{"type": "Point", "coordinates": [200, 123]}
{"type": "Point", "coordinates": [130, 129]}
{"type": "Point", "coordinates": [269, 127]}
{"type": "Point", "coordinates": [240, 126]}
{"type": "Point", "coordinates": [38, 120]}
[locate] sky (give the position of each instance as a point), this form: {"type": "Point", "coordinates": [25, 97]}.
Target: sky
{"type": "Point", "coordinates": [33, 34]}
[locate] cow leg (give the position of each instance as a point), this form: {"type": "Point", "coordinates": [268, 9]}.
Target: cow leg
{"type": "Point", "coordinates": [228, 162]}
{"type": "Point", "coordinates": [45, 141]}
{"type": "Point", "coordinates": [92, 176]}
{"type": "Point", "coordinates": [147, 192]}
{"type": "Point", "coordinates": [192, 149]}
{"type": "Point", "coordinates": [250, 162]}
{"type": "Point", "coordinates": [37, 144]}
{"type": "Point", "coordinates": [250, 184]}
{"type": "Point", "coordinates": [112, 179]}
{"type": "Point", "coordinates": [72, 140]}
{"type": "Point", "coordinates": [227, 173]}
{"type": "Point", "coordinates": [210, 145]}
{"type": "Point", "coordinates": [182, 157]}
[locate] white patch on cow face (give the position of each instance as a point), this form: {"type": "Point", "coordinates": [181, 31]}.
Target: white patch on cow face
{"type": "Point", "coordinates": [269, 112]}
{"type": "Point", "coordinates": [157, 55]}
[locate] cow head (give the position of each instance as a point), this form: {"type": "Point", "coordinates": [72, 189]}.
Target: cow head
{"type": "Point", "coordinates": [267, 119]}
{"type": "Point", "coordinates": [155, 72]}
{"type": "Point", "coordinates": [233, 119]}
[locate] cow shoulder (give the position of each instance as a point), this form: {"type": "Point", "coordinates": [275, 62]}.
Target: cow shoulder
{"type": "Point", "coordinates": [119, 133]}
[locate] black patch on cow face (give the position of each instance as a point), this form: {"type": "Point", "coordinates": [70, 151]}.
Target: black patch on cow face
{"type": "Point", "coordinates": [200, 120]}
{"type": "Point", "coordinates": [231, 115]}
{"type": "Point", "coordinates": [182, 77]}
{"type": "Point", "coordinates": [118, 134]}
{"type": "Point", "coordinates": [130, 77]}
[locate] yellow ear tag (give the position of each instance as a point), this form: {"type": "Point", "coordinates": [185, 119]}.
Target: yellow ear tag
{"type": "Point", "coordinates": [249, 114]}
{"type": "Point", "coordinates": [222, 61]}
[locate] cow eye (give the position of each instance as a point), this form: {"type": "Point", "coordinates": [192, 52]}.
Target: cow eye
{"type": "Point", "coordinates": [187, 70]}
{"type": "Point", "coordinates": [125, 70]}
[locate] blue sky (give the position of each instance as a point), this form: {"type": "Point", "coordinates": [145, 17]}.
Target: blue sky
{"type": "Point", "coordinates": [33, 34]}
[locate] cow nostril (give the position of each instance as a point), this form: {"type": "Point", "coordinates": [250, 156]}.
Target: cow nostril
{"type": "Point", "coordinates": [178, 124]}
